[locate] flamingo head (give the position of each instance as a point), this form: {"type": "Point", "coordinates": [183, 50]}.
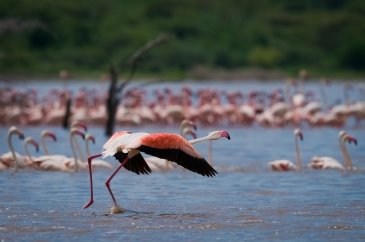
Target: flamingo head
{"type": "Point", "coordinates": [298, 133]}
{"type": "Point", "coordinates": [350, 139]}
{"type": "Point", "coordinates": [75, 131]}
{"type": "Point", "coordinates": [90, 137]}
{"type": "Point", "coordinates": [347, 138]}
{"type": "Point", "coordinates": [30, 140]}
{"type": "Point", "coordinates": [189, 131]}
{"type": "Point", "coordinates": [79, 124]}
{"type": "Point", "coordinates": [187, 123]}
{"type": "Point", "coordinates": [15, 130]}
{"type": "Point", "coordinates": [219, 134]}
{"type": "Point", "coordinates": [49, 134]}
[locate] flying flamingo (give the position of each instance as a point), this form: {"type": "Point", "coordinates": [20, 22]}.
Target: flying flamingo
{"type": "Point", "coordinates": [12, 159]}
{"type": "Point", "coordinates": [126, 147]}
{"type": "Point", "coordinates": [325, 162]}
{"type": "Point", "coordinates": [286, 165]}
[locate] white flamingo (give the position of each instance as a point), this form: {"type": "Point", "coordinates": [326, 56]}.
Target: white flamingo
{"type": "Point", "coordinates": [28, 157]}
{"type": "Point", "coordinates": [65, 164]}
{"type": "Point", "coordinates": [326, 162]}
{"type": "Point", "coordinates": [12, 159]}
{"type": "Point", "coordinates": [287, 165]}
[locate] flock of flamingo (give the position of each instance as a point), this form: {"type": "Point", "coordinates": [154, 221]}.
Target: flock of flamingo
{"type": "Point", "coordinates": [290, 105]}
{"type": "Point", "coordinates": [166, 151]}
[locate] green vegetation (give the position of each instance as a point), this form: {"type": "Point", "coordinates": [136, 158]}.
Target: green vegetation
{"type": "Point", "coordinates": [43, 36]}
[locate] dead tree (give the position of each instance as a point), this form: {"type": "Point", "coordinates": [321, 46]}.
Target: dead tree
{"type": "Point", "coordinates": [115, 94]}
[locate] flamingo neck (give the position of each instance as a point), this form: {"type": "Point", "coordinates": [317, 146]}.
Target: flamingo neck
{"type": "Point", "coordinates": [198, 140]}
{"type": "Point", "coordinates": [28, 153]}
{"type": "Point", "coordinates": [87, 148]}
{"type": "Point", "coordinates": [44, 147]}
{"type": "Point", "coordinates": [77, 146]}
{"type": "Point", "coordinates": [345, 154]}
{"type": "Point", "coordinates": [297, 153]}
{"type": "Point", "coordinates": [11, 147]}
{"type": "Point", "coordinates": [72, 142]}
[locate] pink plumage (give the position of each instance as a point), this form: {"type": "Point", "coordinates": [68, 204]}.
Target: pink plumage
{"type": "Point", "coordinates": [172, 147]}
{"type": "Point", "coordinates": [126, 148]}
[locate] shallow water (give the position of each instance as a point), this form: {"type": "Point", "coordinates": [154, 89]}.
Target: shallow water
{"type": "Point", "coordinates": [246, 201]}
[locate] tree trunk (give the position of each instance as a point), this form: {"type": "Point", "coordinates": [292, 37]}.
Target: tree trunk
{"type": "Point", "coordinates": [112, 102]}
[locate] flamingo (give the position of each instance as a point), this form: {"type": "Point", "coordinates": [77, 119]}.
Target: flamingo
{"type": "Point", "coordinates": [47, 156]}
{"type": "Point", "coordinates": [63, 163]}
{"type": "Point", "coordinates": [286, 165]}
{"type": "Point", "coordinates": [44, 135]}
{"type": "Point", "coordinates": [158, 164]}
{"type": "Point", "coordinates": [29, 159]}
{"type": "Point", "coordinates": [126, 148]}
{"type": "Point", "coordinates": [326, 162]}
{"type": "Point", "coordinates": [12, 159]}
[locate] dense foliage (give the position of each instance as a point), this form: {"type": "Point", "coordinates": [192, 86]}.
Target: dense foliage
{"type": "Point", "coordinates": [45, 36]}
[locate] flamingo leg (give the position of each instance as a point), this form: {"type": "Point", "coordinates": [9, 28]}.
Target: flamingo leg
{"type": "Point", "coordinates": [107, 183]}
{"type": "Point", "coordinates": [91, 201]}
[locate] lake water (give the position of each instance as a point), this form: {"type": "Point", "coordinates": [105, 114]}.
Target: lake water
{"type": "Point", "coordinates": [246, 201]}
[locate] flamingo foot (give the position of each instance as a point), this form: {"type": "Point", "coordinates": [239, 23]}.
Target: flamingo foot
{"type": "Point", "coordinates": [116, 209]}
{"type": "Point", "coordinates": [88, 204]}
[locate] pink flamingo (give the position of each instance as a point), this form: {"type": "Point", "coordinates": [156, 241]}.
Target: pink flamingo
{"type": "Point", "coordinates": [126, 147]}
{"type": "Point", "coordinates": [158, 164]}
{"type": "Point", "coordinates": [286, 165]}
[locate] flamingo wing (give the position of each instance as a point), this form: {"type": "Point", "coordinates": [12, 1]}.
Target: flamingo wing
{"type": "Point", "coordinates": [136, 164]}
{"type": "Point", "coordinates": [197, 165]}
{"type": "Point", "coordinates": [174, 148]}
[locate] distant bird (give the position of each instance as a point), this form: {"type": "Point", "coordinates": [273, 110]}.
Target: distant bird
{"type": "Point", "coordinates": [48, 134]}
{"type": "Point", "coordinates": [12, 159]}
{"type": "Point", "coordinates": [326, 162]}
{"type": "Point", "coordinates": [126, 148]}
{"type": "Point", "coordinates": [29, 159]}
{"type": "Point", "coordinates": [286, 165]}
{"type": "Point", "coordinates": [60, 162]}
{"type": "Point", "coordinates": [44, 135]}
{"type": "Point", "coordinates": [188, 127]}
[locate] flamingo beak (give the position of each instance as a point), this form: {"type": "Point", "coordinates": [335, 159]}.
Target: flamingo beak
{"type": "Point", "coordinates": [225, 134]}
{"type": "Point", "coordinates": [192, 133]}
{"type": "Point", "coordinates": [301, 137]}
{"type": "Point", "coordinates": [53, 136]}
{"type": "Point", "coordinates": [76, 132]}
{"type": "Point", "coordinates": [351, 139]}
{"type": "Point", "coordinates": [90, 137]}
{"type": "Point", "coordinates": [36, 146]}
{"type": "Point", "coordinates": [21, 136]}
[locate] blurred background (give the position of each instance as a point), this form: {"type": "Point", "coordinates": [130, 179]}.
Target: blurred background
{"type": "Point", "coordinates": [210, 39]}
